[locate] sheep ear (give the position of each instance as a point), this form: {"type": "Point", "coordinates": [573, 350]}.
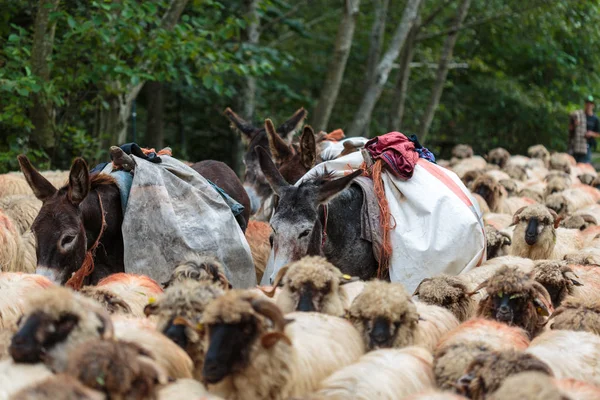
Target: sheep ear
{"type": "Point", "coordinates": [416, 293]}
{"type": "Point", "coordinates": [516, 216]}
{"type": "Point", "coordinates": [270, 339]}
{"type": "Point", "coordinates": [541, 308]}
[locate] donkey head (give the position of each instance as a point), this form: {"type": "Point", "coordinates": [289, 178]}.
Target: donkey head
{"type": "Point", "coordinates": [255, 182]}
{"type": "Point", "coordinates": [293, 161]}
{"type": "Point", "coordinates": [58, 228]}
{"type": "Point", "coordinates": [297, 229]}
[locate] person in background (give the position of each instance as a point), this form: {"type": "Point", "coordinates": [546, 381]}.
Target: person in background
{"type": "Point", "coordinates": [584, 128]}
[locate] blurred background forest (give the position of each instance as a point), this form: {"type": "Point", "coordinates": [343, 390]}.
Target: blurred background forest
{"type": "Point", "coordinates": [78, 76]}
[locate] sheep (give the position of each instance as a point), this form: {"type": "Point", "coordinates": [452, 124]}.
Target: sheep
{"type": "Point", "coordinates": [14, 376]}
{"type": "Point", "coordinates": [14, 184]}
{"type": "Point", "coordinates": [168, 355]}
{"type": "Point", "coordinates": [124, 293]}
{"type": "Point", "coordinates": [392, 374]}
{"type": "Point", "coordinates": [311, 284]}
{"type": "Point", "coordinates": [15, 289]}
{"type": "Point", "coordinates": [496, 197]}
{"type": "Point", "coordinates": [459, 347]}
{"type": "Point", "coordinates": [577, 390]}
{"type": "Point", "coordinates": [498, 156]}
{"type": "Point", "coordinates": [254, 352]}
{"type": "Point", "coordinates": [558, 278]}
{"type": "Point", "coordinates": [28, 252]}
{"type": "Point", "coordinates": [497, 242]}
{"type": "Point", "coordinates": [470, 176]}
{"type": "Point", "coordinates": [577, 315]}
{"type": "Point", "coordinates": [585, 256]}
{"type": "Point", "coordinates": [532, 194]}
{"type": "Point", "coordinates": [587, 179]}
{"type": "Point", "coordinates": [449, 292]}
{"type": "Point", "coordinates": [538, 237]}
{"type": "Point", "coordinates": [569, 354]}
{"type": "Point", "coordinates": [556, 185]}
{"type": "Point", "coordinates": [185, 389]}
{"type": "Point", "coordinates": [462, 151]}
{"type": "Point", "coordinates": [55, 321]}
{"type": "Point", "coordinates": [539, 152]}
{"type": "Point", "coordinates": [258, 234]}
{"type": "Point", "coordinates": [386, 317]}
{"type": "Point", "coordinates": [511, 186]}
{"type": "Point", "coordinates": [199, 268]}
{"type": "Point", "coordinates": [568, 201]}
{"type": "Point", "coordinates": [591, 211]}
{"type": "Point", "coordinates": [10, 245]}
{"type": "Point", "coordinates": [589, 277]}
{"type": "Point", "coordinates": [119, 369]}
{"type": "Point", "coordinates": [487, 371]}
{"type": "Point", "coordinates": [516, 172]}
{"type": "Point", "coordinates": [62, 387]}
{"type": "Point", "coordinates": [579, 222]}
{"type": "Point", "coordinates": [518, 160]}
{"type": "Point", "coordinates": [21, 209]}
{"type": "Point", "coordinates": [497, 174]}
{"type": "Point", "coordinates": [561, 162]}
{"type": "Point", "coordinates": [529, 385]}
{"type": "Point", "coordinates": [515, 298]}
{"type": "Point", "coordinates": [179, 314]}
{"type": "Point", "coordinates": [469, 164]}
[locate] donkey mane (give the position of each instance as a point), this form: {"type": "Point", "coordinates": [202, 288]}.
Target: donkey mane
{"type": "Point", "coordinates": [100, 179]}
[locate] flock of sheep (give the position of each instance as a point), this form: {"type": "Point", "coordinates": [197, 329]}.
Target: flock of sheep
{"type": "Point", "coordinates": [524, 325]}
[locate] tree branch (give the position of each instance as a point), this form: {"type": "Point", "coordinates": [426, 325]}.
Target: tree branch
{"type": "Point", "coordinates": [429, 19]}
{"type": "Point", "coordinates": [309, 24]}
{"type": "Point", "coordinates": [290, 12]}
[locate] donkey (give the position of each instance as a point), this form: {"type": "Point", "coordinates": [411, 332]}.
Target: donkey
{"type": "Point", "coordinates": [70, 222]}
{"type": "Point", "coordinates": [301, 227]}
{"type": "Point", "coordinates": [255, 183]}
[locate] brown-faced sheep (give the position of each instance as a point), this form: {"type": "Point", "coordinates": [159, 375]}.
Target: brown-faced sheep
{"type": "Point", "coordinates": [462, 151]}
{"type": "Point", "coordinates": [449, 292]}
{"type": "Point", "coordinates": [536, 235]}
{"type": "Point", "coordinates": [459, 347]}
{"type": "Point", "coordinates": [516, 172]}
{"type": "Point", "coordinates": [55, 321]}
{"type": "Point", "coordinates": [514, 298]}
{"type": "Point", "coordinates": [558, 278]}
{"type": "Point", "coordinates": [569, 354]}
{"type": "Point", "coordinates": [530, 385]}
{"type": "Point", "coordinates": [577, 315]}
{"type": "Point", "coordinates": [124, 293]}
{"type": "Point", "coordinates": [119, 369]}
{"type": "Point", "coordinates": [496, 197]}
{"type": "Point", "coordinates": [258, 235]}
{"type": "Point", "coordinates": [199, 268]}
{"type": "Point", "coordinates": [487, 371]}
{"type": "Point", "coordinates": [61, 386]}
{"type": "Point", "coordinates": [470, 176]}
{"type": "Point", "coordinates": [540, 152]}
{"type": "Point", "coordinates": [311, 284]}
{"type": "Point", "coordinates": [498, 156]}
{"type": "Point", "coordinates": [21, 209]}
{"type": "Point", "coordinates": [179, 314]}
{"type": "Point", "coordinates": [386, 317]}
{"type": "Point", "coordinates": [254, 352]}
{"type": "Point", "coordinates": [498, 243]}
{"type": "Point", "coordinates": [392, 374]}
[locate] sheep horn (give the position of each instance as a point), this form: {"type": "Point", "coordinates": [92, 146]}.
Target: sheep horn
{"type": "Point", "coordinates": [556, 218]}
{"type": "Point", "coordinates": [482, 285]}
{"type": "Point", "coordinates": [516, 216]}
{"type": "Point", "coordinates": [416, 293]}
{"type": "Point", "coordinates": [271, 311]}
{"type": "Point", "coordinates": [590, 219]}
{"type": "Point", "coordinates": [569, 275]}
{"type": "Point", "coordinates": [278, 278]}
{"type": "Point", "coordinates": [224, 281]}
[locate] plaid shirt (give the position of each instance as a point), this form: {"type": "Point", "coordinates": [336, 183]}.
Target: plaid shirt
{"type": "Point", "coordinates": [577, 141]}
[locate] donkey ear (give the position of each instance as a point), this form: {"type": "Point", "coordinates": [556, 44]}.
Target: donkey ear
{"type": "Point", "coordinates": [79, 182]}
{"type": "Point", "coordinates": [330, 189]}
{"type": "Point", "coordinates": [42, 188]}
{"type": "Point", "coordinates": [246, 128]}
{"type": "Point", "coordinates": [308, 147]}
{"type": "Point", "coordinates": [271, 172]}
{"type": "Point", "coordinates": [287, 129]}
{"type": "Point", "coordinates": [279, 148]}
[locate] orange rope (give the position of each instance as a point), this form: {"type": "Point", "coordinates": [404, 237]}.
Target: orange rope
{"type": "Point", "coordinates": [385, 217]}
{"type": "Point", "coordinates": [163, 152]}
{"type": "Point", "coordinates": [87, 267]}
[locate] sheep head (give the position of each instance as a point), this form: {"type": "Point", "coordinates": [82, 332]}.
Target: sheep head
{"type": "Point", "coordinates": [510, 186]}
{"type": "Point", "coordinates": [558, 279]}
{"type": "Point", "coordinates": [470, 176]}
{"type": "Point", "coordinates": [448, 292]}
{"type": "Point", "coordinates": [587, 179]}
{"type": "Point", "coordinates": [450, 362]}
{"type": "Point", "coordinates": [237, 325]}
{"type": "Point", "coordinates": [384, 315]}
{"type": "Point", "coordinates": [310, 284]}
{"type": "Point", "coordinates": [577, 314]}
{"type": "Point", "coordinates": [496, 240]}
{"type": "Point", "coordinates": [179, 314]}
{"type": "Point", "coordinates": [491, 191]}
{"type": "Point", "coordinates": [462, 151]}
{"type": "Point", "coordinates": [556, 185]}
{"type": "Point", "coordinates": [539, 152]}
{"type": "Point", "coordinates": [534, 236]}
{"type": "Point", "coordinates": [558, 203]}
{"type": "Point", "coordinates": [55, 321]}
{"type": "Point", "coordinates": [514, 298]}
{"type": "Point", "coordinates": [487, 372]}
{"type": "Point", "coordinates": [498, 156]}
{"type": "Point", "coordinates": [110, 301]}
{"type": "Point", "coordinates": [559, 162]}
{"type": "Point", "coordinates": [516, 172]}
{"type": "Point", "coordinates": [580, 222]}
{"type": "Point", "coordinates": [532, 194]}
{"type": "Point", "coordinates": [199, 268]}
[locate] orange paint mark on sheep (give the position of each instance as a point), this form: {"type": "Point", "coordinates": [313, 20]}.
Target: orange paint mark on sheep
{"type": "Point", "coordinates": [132, 279]}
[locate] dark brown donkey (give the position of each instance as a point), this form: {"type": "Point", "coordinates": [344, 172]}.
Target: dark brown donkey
{"type": "Point", "coordinates": [70, 222]}
{"type": "Point", "coordinates": [255, 183]}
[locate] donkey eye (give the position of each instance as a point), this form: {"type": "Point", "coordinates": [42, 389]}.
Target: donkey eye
{"type": "Point", "coordinates": [67, 240]}
{"type": "Point", "coordinates": [303, 234]}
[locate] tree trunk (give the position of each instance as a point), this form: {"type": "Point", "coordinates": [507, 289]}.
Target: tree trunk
{"type": "Point", "coordinates": [117, 128]}
{"type": "Point", "coordinates": [375, 45]}
{"type": "Point", "coordinates": [155, 118]}
{"type": "Point", "coordinates": [397, 108]}
{"type": "Point", "coordinates": [43, 42]}
{"type": "Point", "coordinates": [442, 72]}
{"type": "Point", "coordinates": [373, 93]}
{"type": "Point", "coordinates": [335, 70]}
